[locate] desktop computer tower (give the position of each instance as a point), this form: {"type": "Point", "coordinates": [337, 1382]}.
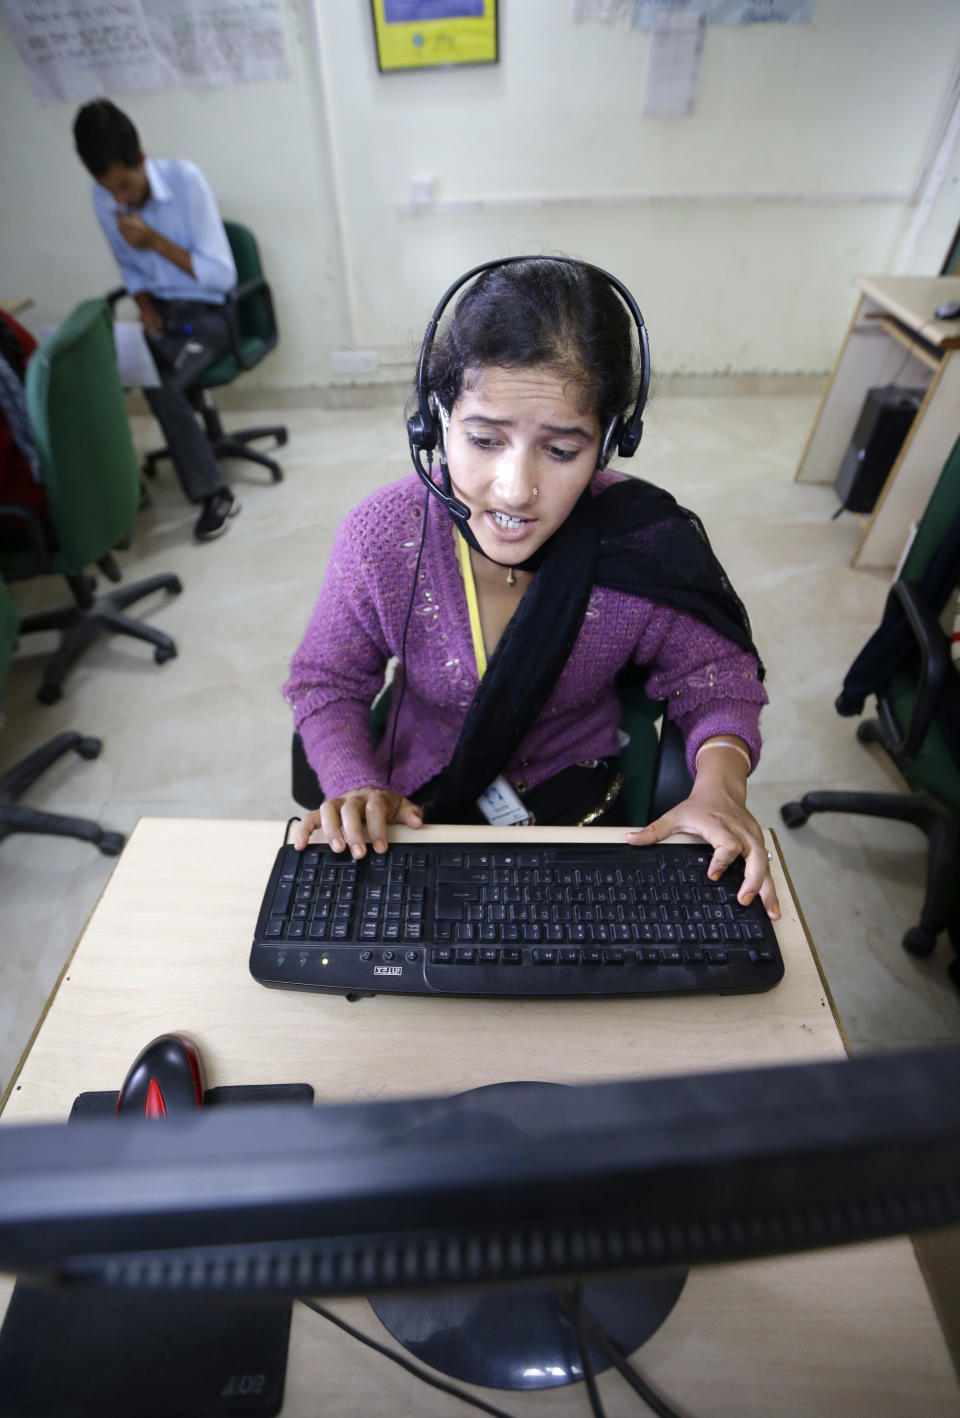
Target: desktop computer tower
{"type": "Point", "coordinates": [883, 425]}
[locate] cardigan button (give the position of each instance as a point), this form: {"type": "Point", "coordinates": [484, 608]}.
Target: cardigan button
{"type": "Point", "coordinates": [520, 786]}
{"type": "Point", "coordinates": [524, 763]}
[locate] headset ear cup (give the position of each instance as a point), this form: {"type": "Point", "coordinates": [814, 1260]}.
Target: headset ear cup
{"type": "Point", "coordinates": [421, 432]}
{"type": "Point", "coordinates": [630, 438]}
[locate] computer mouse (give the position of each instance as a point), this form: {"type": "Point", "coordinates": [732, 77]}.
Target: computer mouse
{"type": "Point", "coordinates": [948, 310]}
{"type": "Point", "coordinates": [166, 1077]}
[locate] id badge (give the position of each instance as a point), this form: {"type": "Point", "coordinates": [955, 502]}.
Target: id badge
{"type": "Point", "coordinates": [502, 807]}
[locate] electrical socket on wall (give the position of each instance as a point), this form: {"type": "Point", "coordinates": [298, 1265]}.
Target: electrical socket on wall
{"type": "Point", "coordinates": [354, 361]}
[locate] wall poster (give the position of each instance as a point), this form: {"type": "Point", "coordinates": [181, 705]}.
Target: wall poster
{"type": "Point", "coordinates": [432, 34]}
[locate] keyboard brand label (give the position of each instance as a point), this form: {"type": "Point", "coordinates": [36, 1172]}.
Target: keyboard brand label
{"type": "Point", "coordinates": [388, 969]}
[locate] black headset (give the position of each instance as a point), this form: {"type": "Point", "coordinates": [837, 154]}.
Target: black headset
{"type": "Point", "coordinates": [424, 427]}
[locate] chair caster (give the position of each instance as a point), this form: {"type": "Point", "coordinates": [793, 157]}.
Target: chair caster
{"type": "Point", "coordinates": [111, 844]}
{"type": "Point", "coordinates": [282, 437]}
{"type": "Point", "coordinates": [49, 693]}
{"type": "Point", "coordinates": [277, 475]}
{"type": "Point", "coordinates": [89, 748]}
{"type": "Point", "coordinates": [868, 732]}
{"type": "Point", "coordinates": [176, 586]}
{"type": "Point", "coordinates": [793, 814]}
{"type": "Point", "coordinates": [161, 655]}
{"type": "Point", "coordinates": [917, 941]}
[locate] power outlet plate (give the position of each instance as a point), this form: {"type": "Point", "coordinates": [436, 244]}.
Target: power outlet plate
{"type": "Point", "coordinates": [354, 361]}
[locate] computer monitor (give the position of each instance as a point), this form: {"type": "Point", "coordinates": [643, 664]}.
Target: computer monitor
{"type": "Point", "coordinates": [432, 1205]}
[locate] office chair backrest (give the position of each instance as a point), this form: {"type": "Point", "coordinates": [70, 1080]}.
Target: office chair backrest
{"type": "Point", "coordinates": [254, 313]}
{"type": "Point", "coordinates": [79, 420]}
{"type": "Point", "coordinates": [940, 513]}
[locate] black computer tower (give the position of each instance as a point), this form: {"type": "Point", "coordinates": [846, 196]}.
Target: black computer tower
{"type": "Point", "coordinates": [883, 425]}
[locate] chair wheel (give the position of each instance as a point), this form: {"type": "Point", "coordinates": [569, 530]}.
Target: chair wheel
{"type": "Point", "coordinates": [277, 475]}
{"type": "Point", "coordinates": [867, 732]}
{"type": "Point", "coordinates": [89, 748]}
{"type": "Point", "coordinates": [282, 437]}
{"type": "Point", "coordinates": [49, 693]}
{"type": "Point", "coordinates": [175, 586]}
{"type": "Point", "coordinates": [161, 654]}
{"type": "Point", "coordinates": [917, 941]}
{"type": "Point", "coordinates": [111, 844]}
{"type": "Point", "coordinates": [793, 814]}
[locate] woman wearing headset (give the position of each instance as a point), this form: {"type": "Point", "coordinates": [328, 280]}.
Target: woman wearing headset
{"type": "Point", "coordinates": [514, 598]}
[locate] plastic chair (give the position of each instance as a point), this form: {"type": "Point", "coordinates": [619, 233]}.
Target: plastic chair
{"type": "Point", "coordinates": [15, 781]}
{"type": "Point", "coordinates": [90, 475]}
{"type": "Point", "coordinates": [907, 665]}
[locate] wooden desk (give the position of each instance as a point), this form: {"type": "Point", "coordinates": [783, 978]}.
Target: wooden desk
{"type": "Point", "coordinates": [893, 321]}
{"type": "Point", "coordinates": [848, 1333]}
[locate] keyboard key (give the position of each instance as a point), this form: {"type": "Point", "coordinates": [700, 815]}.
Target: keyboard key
{"type": "Point", "coordinates": [568, 957]}
{"type": "Point", "coordinates": [441, 955]}
{"type": "Point", "coordinates": [510, 955]}
{"type": "Point", "coordinates": [545, 957]}
{"type": "Point", "coordinates": [488, 956]}
{"type": "Point", "coordinates": [466, 955]}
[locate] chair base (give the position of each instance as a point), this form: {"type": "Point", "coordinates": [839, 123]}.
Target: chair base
{"type": "Point", "coordinates": [937, 822]}
{"type": "Point", "coordinates": [226, 445]}
{"type": "Point", "coordinates": [80, 625]}
{"type": "Point", "coordinates": [15, 781]}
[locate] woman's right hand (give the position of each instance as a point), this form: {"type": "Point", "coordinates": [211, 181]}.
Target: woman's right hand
{"type": "Point", "coordinates": [363, 813]}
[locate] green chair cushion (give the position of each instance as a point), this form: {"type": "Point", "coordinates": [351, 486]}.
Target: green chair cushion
{"type": "Point", "coordinates": [228, 366]}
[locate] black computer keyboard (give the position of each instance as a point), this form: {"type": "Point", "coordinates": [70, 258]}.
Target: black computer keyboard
{"type": "Point", "coordinates": [467, 919]}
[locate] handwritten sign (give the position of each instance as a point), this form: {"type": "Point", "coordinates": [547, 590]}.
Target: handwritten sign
{"type": "Point", "coordinates": [79, 48]}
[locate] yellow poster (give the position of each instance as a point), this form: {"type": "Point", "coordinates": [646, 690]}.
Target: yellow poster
{"type": "Point", "coordinates": [427, 34]}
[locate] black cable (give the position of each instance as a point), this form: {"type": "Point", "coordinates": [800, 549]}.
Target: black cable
{"type": "Point", "coordinates": [583, 1345]}
{"type": "Point", "coordinates": [414, 1369]}
{"type": "Point", "coordinates": [406, 626]}
{"type": "Point", "coordinates": [637, 1382]}
{"type": "Point", "coordinates": [286, 830]}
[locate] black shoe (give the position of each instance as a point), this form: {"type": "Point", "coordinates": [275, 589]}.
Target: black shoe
{"type": "Point", "coordinates": [217, 510]}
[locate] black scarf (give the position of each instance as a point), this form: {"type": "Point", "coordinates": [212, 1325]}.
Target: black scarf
{"type": "Point", "coordinates": [632, 537]}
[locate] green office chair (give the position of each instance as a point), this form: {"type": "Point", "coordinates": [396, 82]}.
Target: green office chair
{"type": "Point", "coordinates": [654, 765]}
{"type": "Point", "coordinates": [92, 482]}
{"type": "Point", "coordinates": [907, 665]}
{"type": "Point", "coordinates": [253, 330]}
{"type": "Point", "coordinates": [15, 781]}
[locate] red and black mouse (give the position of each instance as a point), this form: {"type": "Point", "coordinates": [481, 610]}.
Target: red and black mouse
{"type": "Point", "coordinates": [167, 1077]}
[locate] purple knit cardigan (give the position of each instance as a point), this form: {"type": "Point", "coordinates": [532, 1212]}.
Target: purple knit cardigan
{"type": "Point", "coordinates": [710, 684]}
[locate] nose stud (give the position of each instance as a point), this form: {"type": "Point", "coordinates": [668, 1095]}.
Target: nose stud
{"type": "Point", "coordinates": [536, 492]}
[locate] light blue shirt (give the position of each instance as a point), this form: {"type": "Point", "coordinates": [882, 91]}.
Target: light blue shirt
{"type": "Point", "coordinates": [183, 209]}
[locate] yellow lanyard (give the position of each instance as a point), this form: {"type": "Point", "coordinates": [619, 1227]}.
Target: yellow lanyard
{"type": "Point", "coordinates": [473, 608]}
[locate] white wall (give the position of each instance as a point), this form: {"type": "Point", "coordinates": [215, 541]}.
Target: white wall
{"type": "Point", "coordinates": [738, 229]}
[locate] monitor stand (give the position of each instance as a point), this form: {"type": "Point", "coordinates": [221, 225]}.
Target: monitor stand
{"type": "Point", "coordinates": [519, 1337]}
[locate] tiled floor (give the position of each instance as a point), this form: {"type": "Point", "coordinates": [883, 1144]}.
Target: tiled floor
{"type": "Point", "coordinates": [208, 734]}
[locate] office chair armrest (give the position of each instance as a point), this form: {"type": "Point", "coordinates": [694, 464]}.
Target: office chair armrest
{"type": "Point", "coordinates": [35, 534]}
{"type": "Point", "coordinates": [113, 297]}
{"type": "Point", "coordinates": [935, 669]}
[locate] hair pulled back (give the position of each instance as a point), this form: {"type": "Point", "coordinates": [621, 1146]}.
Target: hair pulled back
{"type": "Point", "coordinates": [104, 135]}
{"type": "Point", "coordinates": [559, 313]}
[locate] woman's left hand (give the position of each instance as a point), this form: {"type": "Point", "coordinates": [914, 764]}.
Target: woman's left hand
{"type": "Point", "coordinates": [716, 812]}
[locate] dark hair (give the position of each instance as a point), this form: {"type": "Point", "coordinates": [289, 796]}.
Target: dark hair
{"type": "Point", "coordinates": [104, 135]}
{"type": "Point", "coordinates": [555, 312]}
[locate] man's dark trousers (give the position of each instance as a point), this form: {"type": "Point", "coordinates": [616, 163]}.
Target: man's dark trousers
{"type": "Point", "coordinates": [195, 335]}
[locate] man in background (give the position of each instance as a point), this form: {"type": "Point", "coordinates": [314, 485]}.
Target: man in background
{"type": "Point", "coordinates": [162, 223]}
